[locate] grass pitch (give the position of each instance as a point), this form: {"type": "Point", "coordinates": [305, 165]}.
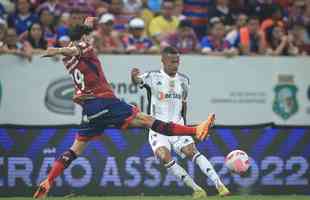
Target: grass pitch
{"type": "Point", "coordinates": [244, 197]}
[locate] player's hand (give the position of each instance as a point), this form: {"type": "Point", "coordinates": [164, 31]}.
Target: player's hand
{"type": "Point", "coordinates": [50, 52]}
{"type": "Point", "coordinates": [135, 72]}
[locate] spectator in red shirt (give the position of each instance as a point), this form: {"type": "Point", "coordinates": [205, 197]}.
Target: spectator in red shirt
{"type": "Point", "coordinates": [107, 40]}
{"type": "Point", "coordinates": [184, 39]}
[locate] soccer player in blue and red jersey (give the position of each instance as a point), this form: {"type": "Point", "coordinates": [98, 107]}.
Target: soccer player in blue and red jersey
{"type": "Point", "coordinates": [101, 108]}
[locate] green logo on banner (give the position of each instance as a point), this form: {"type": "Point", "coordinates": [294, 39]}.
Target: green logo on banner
{"type": "Point", "coordinates": [285, 103]}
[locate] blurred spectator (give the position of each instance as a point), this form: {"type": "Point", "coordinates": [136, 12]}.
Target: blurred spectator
{"type": "Point", "coordinates": [8, 6]}
{"type": "Point", "coordinates": [297, 35]}
{"type": "Point", "coordinates": [197, 11]}
{"type": "Point", "coordinates": [63, 41]}
{"type": "Point", "coordinates": [132, 6]}
{"type": "Point", "coordinates": [63, 21]}
{"type": "Point", "coordinates": [106, 40]}
{"type": "Point", "coordinates": [14, 46]}
{"type": "Point", "coordinates": [35, 38]}
{"type": "Point", "coordinates": [261, 8]}
{"type": "Point", "coordinates": [155, 5]}
{"type": "Point", "coordinates": [178, 10]}
{"type": "Point", "coordinates": [184, 39]}
{"type": "Point", "coordinates": [305, 18]}
{"type": "Point", "coordinates": [165, 23]}
{"type": "Point", "coordinates": [275, 18]}
{"type": "Point", "coordinates": [76, 18]}
{"type": "Point", "coordinates": [52, 6]}
{"type": "Point", "coordinates": [2, 11]}
{"type": "Point", "coordinates": [222, 11]}
{"type": "Point", "coordinates": [278, 43]}
{"type": "Point", "coordinates": [84, 6]}
{"type": "Point", "coordinates": [295, 12]}
{"type": "Point", "coordinates": [284, 3]}
{"type": "Point", "coordinates": [147, 15]}
{"type": "Point", "coordinates": [121, 18]}
{"type": "Point", "coordinates": [47, 21]}
{"type": "Point", "coordinates": [251, 39]}
{"type": "Point", "coordinates": [22, 18]}
{"type": "Point", "coordinates": [136, 42]}
{"type": "Point", "coordinates": [102, 9]}
{"type": "Point", "coordinates": [215, 44]}
{"type": "Point", "coordinates": [232, 36]}
{"type": "Point", "coordinates": [238, 6]}
{"type": "Point", "coordinates": [3, 30]}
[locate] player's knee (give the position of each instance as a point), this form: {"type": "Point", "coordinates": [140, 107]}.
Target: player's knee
{"type": "Point", "coordinates": [146, 120]}
{"type": "Point", "coordinates": [164, 155]}
{"type": "Point", "coordinates": [67, 157]}
{"type": "Point", "coordinates": [190, 151]}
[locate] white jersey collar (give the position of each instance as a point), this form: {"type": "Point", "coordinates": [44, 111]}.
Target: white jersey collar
{"type": "Point", "coordinates": [167, 76]}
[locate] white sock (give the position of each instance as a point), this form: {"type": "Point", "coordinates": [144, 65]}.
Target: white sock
{"type": "Point", "coordinates": [207, 168]}
{"type": "Point", "coordinates": [174, 168]}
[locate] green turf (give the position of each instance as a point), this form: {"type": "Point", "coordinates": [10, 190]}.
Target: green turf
{"type": "Point", "coordinates": [245, 197]}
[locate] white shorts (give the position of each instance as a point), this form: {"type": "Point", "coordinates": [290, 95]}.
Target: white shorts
{"type": "Point", "coordinates": [157, 140]}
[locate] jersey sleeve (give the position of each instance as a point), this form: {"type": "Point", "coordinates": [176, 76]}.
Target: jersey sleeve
{"type": "Point", "coordinates": [85, 49]}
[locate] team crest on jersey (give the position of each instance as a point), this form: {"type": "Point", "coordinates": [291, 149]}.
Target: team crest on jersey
{"type": "Point", "coordinates": [171, 84]}
{"type": "Point", "coordinates": [285, 103]}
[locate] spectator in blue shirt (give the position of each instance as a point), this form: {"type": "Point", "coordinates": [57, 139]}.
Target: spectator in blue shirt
{"type": "Point", "coordinates": [215, 44]}
{"type": "Point", "coordinates": [2, 11]}
{"type": "Point", "coordinates": [22, 18]}
{"type": "Point", "coordinates": [136, 42]}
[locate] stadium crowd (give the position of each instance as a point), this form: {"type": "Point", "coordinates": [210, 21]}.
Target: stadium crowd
{"type": "Point", "coordinates": [212, 27]}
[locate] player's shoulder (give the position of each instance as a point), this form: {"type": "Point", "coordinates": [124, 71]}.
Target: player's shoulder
{"type": "Point", "coordinates": [152, 74]}
{"type": "Point", "coordinates": [184, 78]}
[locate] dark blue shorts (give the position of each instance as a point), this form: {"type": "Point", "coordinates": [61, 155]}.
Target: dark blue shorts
{"type": "Point", "coordinates": [98, 114]}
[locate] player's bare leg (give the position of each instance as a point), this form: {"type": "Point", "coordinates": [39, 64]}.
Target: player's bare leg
{"type": "Point", "coordinates": [59, 166]}
{"type": "Point", "coordinates": [172, 129]}
{"type": "Point", "coordinates": [192, 153]}
{"type": "Point", "coordinates": [173, 167]}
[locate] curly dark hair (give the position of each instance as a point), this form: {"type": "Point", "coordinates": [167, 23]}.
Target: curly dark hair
{"type": "Point", "coordinates": [78, 31]}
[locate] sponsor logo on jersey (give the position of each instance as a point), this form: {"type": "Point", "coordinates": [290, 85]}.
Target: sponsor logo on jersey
{"type": "Point", "coordinates": [162, 96]}
{"type": "Point", "coordinates": [58, 97]}
{"type": "Point", "coordinates": [285, 103]}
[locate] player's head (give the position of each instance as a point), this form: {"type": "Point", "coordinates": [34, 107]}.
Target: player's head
{"type": "Point", "coordinates": [170, 58]}
{"type": "Point", "coordinates": [79, 32]}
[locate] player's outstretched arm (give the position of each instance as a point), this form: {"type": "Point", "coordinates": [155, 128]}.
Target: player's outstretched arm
{"type": "Point", "coordinates": [66, 51]}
